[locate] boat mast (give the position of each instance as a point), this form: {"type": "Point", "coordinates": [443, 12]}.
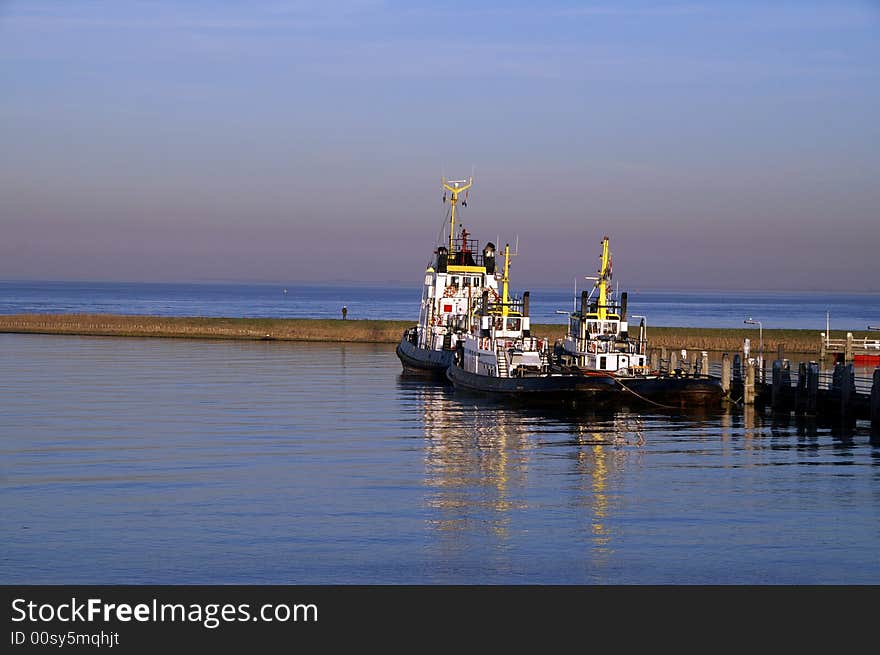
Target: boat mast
{"type": "Point", "coordinates": [604, 277]}
{"type": "Point", "coordinates": [505, 299]}
{"type": "Point", "coordinates": [455, 187]}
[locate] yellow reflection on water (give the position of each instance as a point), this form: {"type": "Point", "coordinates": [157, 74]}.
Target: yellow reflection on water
{"type": "Point", "coordinates": [472, 458]}
{"type": "Point", "coordinates": [478, 458]}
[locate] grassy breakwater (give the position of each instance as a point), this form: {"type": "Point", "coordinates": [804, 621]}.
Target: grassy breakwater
{"type": "Point", "coordinates": [336, 330]}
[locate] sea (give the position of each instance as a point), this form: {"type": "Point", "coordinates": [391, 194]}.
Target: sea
{"type": "Point", "coordinates": [174, 461]}
{"type": "Point", "coordinates": [812, 310]}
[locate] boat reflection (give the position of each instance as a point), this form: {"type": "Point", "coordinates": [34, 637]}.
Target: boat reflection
{"type": "Point", "coordinates": [491, 470]}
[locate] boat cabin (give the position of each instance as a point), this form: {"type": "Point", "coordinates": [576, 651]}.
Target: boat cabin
{"type": "Point", "coordinates": [454, 284]}
{"type": "Point", "coordinates": [598, 336]}
{"type": "Point", "coordinates": [500, 343]}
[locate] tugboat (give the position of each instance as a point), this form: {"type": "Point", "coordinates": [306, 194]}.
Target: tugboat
{"type": "Point", "coordinates": [598, 342]}
{"type": "Point", "coordinates": [499, 356]}
{"type": "Point", "coordinates": [458, 276]}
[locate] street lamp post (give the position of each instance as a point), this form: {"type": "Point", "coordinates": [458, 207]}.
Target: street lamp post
{"type": "Point", "coordinates": [749, 321]}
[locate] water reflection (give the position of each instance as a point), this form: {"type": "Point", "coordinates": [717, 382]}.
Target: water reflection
{"type": "Point", "coordinates": [172, 461]}
{"type": "Point", "coordinates": [475, 463]}
{"type": "Point", "coordinates": [490, 468]}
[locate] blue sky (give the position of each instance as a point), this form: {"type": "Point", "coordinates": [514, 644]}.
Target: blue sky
{"type": "Point", "coordinates": [718, 144]}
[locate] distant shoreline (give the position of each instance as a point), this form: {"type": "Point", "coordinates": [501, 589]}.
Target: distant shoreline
{"type": "Point", "coordinates": [368, 331]}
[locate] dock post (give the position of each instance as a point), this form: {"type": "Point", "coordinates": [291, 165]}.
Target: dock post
{"type": "Point", "coordinates": [800, 393]}
{"type": "Point", "coordinates": [673, 361]}
{"type": "Point", "coordinates": [737, 367]}
{"type": "Point", "coordinates": [847, 391]}
{"type": "Point", "coordinates": [663, 359]}
{"type": "Point", "coordinates": [837, 377]}
{"type": "Point", "coordinates": [655, 360]}
{"type": "Point", "coordinates": [776, 388]}
{"type": "Point", "coordinates": [785, 384]}
{"type": "Point", "coordinates": [875, 401]}
{"type": "Point", "coordinates": [812, 387]}
{"type": "Point", "coordinates": [725, 373]}
{"type": "Point", "coordinates": [704, 361]}
{"type": "Point", "coordinates": [780, 351]}
{"type": "Point", "coordinates": [749, 386]}
{"type": "Point", "coordinates": [848, 352]}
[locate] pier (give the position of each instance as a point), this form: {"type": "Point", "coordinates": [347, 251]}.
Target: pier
{"type": "Point", "coordinates": [857, 349]}
{"type": "Point", "coordinates": [842, 393]}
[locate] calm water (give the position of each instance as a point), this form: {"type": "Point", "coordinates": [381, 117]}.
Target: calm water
{"type": "Point", "coordinates": [775, 309]}
{"type": "Point", "coordinates": [174, 461]}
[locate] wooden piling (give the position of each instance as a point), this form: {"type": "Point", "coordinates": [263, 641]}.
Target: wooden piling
{"type": "Point", "coordinates": [725, 373]}
{"type": "Point", "coordinates": [847, 391]}
{"type": "Point", "coordinates": [780, 351]}
{"type": "Point", "coordinates": [664, 361]}
{"type": "Point", "coordinates": [655, 360]}
{"type": "Point", "coordinates": [800, 392]}
{"type": "Point", "coordinates": [848, 351]}
{"type": "Point", "coordinates": [875, 401]}
{"type": "Point", "coordinates": [837, 377]}
{"type": "Point", "coordinates": [812, 387]}
{"type": "Point", "coordinates": [776, 388]}
{"type": "Point", "coordinates": [704, 363]}
{"type": "Point", "coordinates": [737, 367]}
{"type": "Point", "coordinates": [749, 386]}
{"type": "Point", "coordinates": [673, 361]}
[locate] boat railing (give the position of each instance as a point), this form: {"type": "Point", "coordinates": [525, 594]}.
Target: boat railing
{"type": "Point", "coordinates": [496, 307]}
{"type": "Point", "coordinates": [465, 252]}
{"type": "Point", "coordinates": [608, 345]}
{"type": "Point", "coordinates": [523, 343]}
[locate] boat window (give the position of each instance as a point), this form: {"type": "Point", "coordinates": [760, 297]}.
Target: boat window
{"type": "Point", "coordinates": [609, 327]}
{"type": "Point", "coordinates": [602, 362]}
{"type": "Point", "coordinates": [513, 324]}
{"type": "Point", "coordinates": [593, 327]}
{"type": "Point", "coordinates": [574, 326]}
{"type": "Point", "coordinates": [454, 280]}
{"type": "Point", "coordinates": [466, 281]}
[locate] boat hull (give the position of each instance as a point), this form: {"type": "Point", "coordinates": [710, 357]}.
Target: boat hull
{"type": "Point", "coordinates": [422, 361]}
{"type": "Point", "coordinates": [571, 391]}
{"type": "Point", "coordinates": [673, 391]}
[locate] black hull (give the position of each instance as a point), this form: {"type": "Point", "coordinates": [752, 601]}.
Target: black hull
{"type": "Point", "coordinates": [592, 391]}
{"type": "Point", "coordinates": [570, 391]}
{"type": "Point", "coordinates": [672, 391]}
{"type": "Point", "coordinates": [421, 361]}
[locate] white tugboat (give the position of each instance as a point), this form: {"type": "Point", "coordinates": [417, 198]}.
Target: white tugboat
{"type": "Point", "coordinates": [598, 336]}
{"type": "Point", "coordinates": [598, 341]}
{"type": "Point", "coordinates": [500, 356]}
{"type": "Point", "coordinates": [455, 281]}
